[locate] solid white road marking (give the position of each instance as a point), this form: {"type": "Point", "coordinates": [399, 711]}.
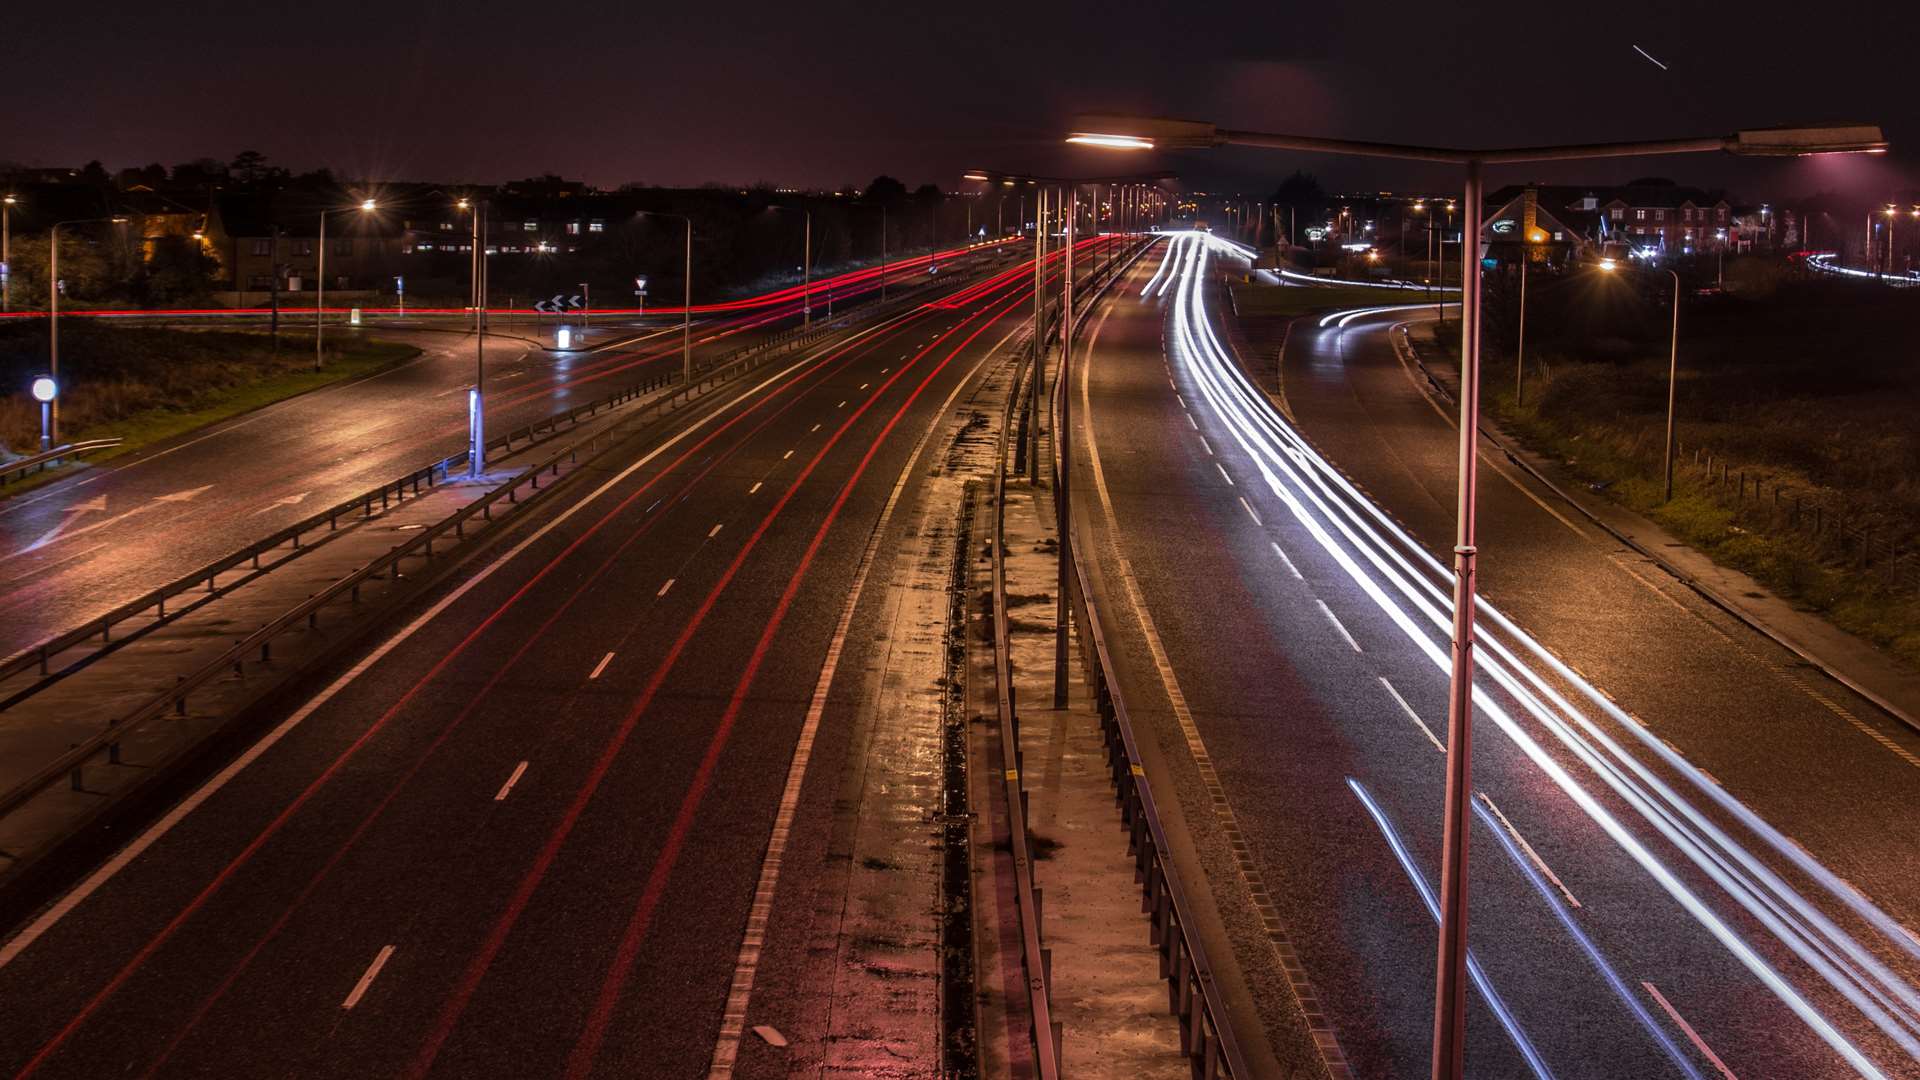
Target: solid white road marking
{"type": "Point", "coordinates": [601, 666]}
{"type": "Point", "coordinates": [664, 588]}
{"type": "Point", "coordinates": [520, 769]}
{"type": "Point", "coordinates": [1698, 1043]}
{"type": "Point", "coordinates": [373, 970]}
{"type": "Point", "coordinates": [1533, 856]}
{"type": "Point", "coordinates": [1332, 618]}
{"type": "Point", "coordinates": [1414, 716]}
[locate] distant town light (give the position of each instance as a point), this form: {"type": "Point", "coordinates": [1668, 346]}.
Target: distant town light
{"type": "Point", "coordinates": [367, 204]}
{"type": "Point", "coordinates": [1607, 264]}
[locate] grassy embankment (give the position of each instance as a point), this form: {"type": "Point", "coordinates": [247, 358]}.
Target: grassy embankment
{"type": "Point", "coordinates": [1801, 390]}
{"type": "Point", "coordinates": [144, 384]}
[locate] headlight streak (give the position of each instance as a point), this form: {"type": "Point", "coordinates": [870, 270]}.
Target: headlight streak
{"type": "Point", "coordinates": [1560, 911]}
{"type": "Point", "coordinates": [1480, 979]}
{"type": "Point", "coordinates": [1221, 383]}
{"type": "Point", "coordinates": [1823, 261]}
{"type": "Point", "coordinates": [1166, 260]}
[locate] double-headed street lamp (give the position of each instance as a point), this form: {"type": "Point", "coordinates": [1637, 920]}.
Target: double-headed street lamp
{"type": "Point", "coordinates": [1138, 133]}
{"type": "Point", "coordinates": [365, 206]}
{"type": "Point", "coordinates": [686, 297]}
{"type": "Point", "coordinates": [50, 414]}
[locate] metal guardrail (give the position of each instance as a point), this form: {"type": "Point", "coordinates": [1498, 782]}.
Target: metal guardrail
{"type": "Point", "coordinates": [44, 458]}
{"type": "Point", "coordinates": [1206, 1036]}
{"type": "Point", "coordinates": [1043, 1030]}
{"type": "Point", "coordinates": [420, 544]}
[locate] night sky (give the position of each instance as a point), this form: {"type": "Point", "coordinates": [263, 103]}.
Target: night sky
{"type": "Point", "coordinates": [830, 93]}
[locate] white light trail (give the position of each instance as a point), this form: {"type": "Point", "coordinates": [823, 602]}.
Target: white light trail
{"type": "Point", "coordinates": [1323, 503]}
{"type": "Point", "coordinates": [1480, 979]}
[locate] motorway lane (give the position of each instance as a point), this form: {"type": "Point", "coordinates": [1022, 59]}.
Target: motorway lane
{"type": "Point", "coordinates": [78, 548]}
{"type": "Point", "coordinates": [1309, 698]}
{"type": "Point", "coordinates": [755, 520]}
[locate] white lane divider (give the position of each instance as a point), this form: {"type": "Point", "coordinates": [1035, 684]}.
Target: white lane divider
{"type": "Point", "coordinates": [1698, 1043]}
{"type": "Point", "coordinates": [1337, 624]}
{"type": "Point", "coordinates": [366, 980]}
{"type": "Point", "coordinates": [1205, 445]}
{"type": "Point", "coordinates": [1414, 716]}
{"type": "Point", "coordinates": [813, 429]}
{"type": "Point", "coordinates": [664, 588]}
{"type": "Point", "coordinates": [755, 487]}
{"type": "Point", "coordinates": [521, 769]}
{"type": "Point", "coordinates": [1223, 474]}
{"type": "Point", "coordinates": [1291, 569]}
{"type": "Point", "coordinates": [786, 455]}
{"type": "Point", "coordinates": [1532, 855]}
{"type": "Point", "coordinates": [601, 666]}
{"type": "Point", "coordinates": [1248, 507]}
{"type": "Point", "coordinates": [713, 532]}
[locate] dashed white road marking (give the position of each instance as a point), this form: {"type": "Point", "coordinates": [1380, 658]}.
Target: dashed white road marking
{"type": "Point", "coordinates": [366, 980]}
{"type": "Point", "coordinates": [1292, 569]}
{"type": "Point", "coordinates": [815, 427]}
{"type": "Point", "coordinates": [713, 532]}
{"type": "Point", "coordinates": [863, 386]}
{"type": "Point", "coordinates": [1244, 505]}
{"type": "Point", "coordinates": [842, 405]}
{"type": "Point", "coordinates": [786, 455]}
{"type": "Point", "coordinates": [1181, 400]}
{"type": "Point", "coordinates": [755, 487]}
{"type": "Point", "coordinates": [1205, 445]}
{"type": "Point", "coordinates": [1698, 1043]}
{"type": "Point", "coordinates": [601, 666]}
{"type": "Point", "coordinates": [521, 769]}
{"type": "Point", "coordinates": [664, 588]}
{"type": "Point", "coordinates": [1539, 863]}
{"type": "Point", "coordinates": [1337, 625]}
{"type": "Point", "coordinates": [1196, 427]}
{"type": "Point", "coordinates": [1414, 716]}
{"type": "Point", "coordinates": [1223, 474]}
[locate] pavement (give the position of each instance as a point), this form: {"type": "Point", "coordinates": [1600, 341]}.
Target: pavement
{"type": "Point", "coordinates": [79, 547]}
{"type": "Point", "coordinates": [525, 833]}
{"type": "Point", "coordinates": [1683, 861]}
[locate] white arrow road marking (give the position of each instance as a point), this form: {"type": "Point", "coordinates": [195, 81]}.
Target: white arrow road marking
{"type": "Point", "coordinates": [290, 500]}
{"type": "Point", "coordinates": [100, 503]}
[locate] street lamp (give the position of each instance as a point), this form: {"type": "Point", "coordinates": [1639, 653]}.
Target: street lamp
{"type": "Point", "coordinates": [50, 412]}
{"type": "Point", "coordinates": [1673, 374]}
{"type": "Point", "coordinates": [320, 279]}
{"type": "Point", "coordinates": [477, 397]}
{"type": "Point", "coordinates": [1138, 133]}
{"type": "Point", "coordinates": [6, 252]}
{"type": "Point", "coordinates": [806, 263]}
{"type": "Point", "coordinates": [686, 301]}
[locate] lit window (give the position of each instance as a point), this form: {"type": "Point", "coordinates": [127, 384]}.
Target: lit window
{"type": "Point", "coordinates": [598, 226]}
{"type": "Point", "coordinates": [1640, 215]}
{"type": "Point", "coordinates": [423, 247]}
{"type": "Point", "coordinates": [263, 247]}
{"type": "Point", "coordinates": [573, 228]}
{"type": "Point", "coordinates": [530, 225]}
{"type": "Point", "coordinates": [1619, 213]}
{"type": "Point", "coordinates": [1659, 215]}
{"type": "Point", "coordinates": [446, 226]}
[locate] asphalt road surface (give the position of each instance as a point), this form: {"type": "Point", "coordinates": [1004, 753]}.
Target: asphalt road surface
{"type": "Point", "coordinates": [520, 836]}
{"type": "Point", "coordinates": [1696, 859]}
{"type": "Point", "coordinates": [80, 547]}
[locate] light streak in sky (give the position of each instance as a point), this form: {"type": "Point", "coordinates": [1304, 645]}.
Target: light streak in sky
{"type": "Point", "coordinates": [1650, 58]}
{"type": "Point", "coordinates": [1325, 504]}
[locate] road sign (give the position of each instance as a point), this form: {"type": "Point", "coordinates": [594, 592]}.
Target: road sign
{"type": "Point", "coordinates": [574, 301]}
{"type": "Point", "coordinates": [640, 285]}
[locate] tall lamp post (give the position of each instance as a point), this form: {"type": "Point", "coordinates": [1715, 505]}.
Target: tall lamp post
{"type": "Point", "coordinates": [1673, 373]}
{"type": "Point", "coordinates": [6, 252]}
{"type": "Point", "coordinates": [686, 297]}
{"type": "Point", "coordinates": [366, 206]}
{"type": "Point", "coordinates": [50, 416]}
{"type": "Point", "coordinates": [1137, 133]}
{"type": "Point", "coordinates": [806, 262]}
{"type": "Point", "coordinates": [477, 398]}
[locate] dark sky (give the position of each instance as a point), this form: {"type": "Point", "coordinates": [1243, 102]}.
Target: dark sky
{"type": "Point", "coordinates": [832, 92]}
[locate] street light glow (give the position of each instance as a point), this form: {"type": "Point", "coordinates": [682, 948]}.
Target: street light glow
{"type": "Point", "coordinates": [1112, 142]}
{"type": "Point", "coordinates": [366, 204]}
{"type": "Point", "coordinates": [45, 389]}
